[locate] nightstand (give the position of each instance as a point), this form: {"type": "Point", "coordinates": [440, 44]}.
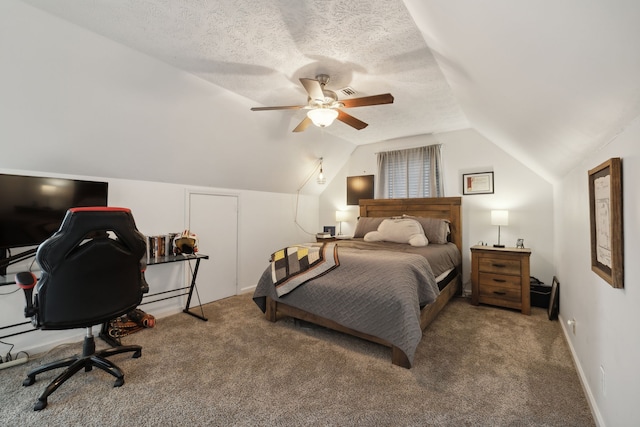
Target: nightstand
{"type": "Point", "coordinates": [333, 238]}
{"type": "Point", "coordinates": [500, 276]}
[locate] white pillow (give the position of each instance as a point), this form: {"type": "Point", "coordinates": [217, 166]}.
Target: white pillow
{"type": "Point", "coordinates": [398, 230]}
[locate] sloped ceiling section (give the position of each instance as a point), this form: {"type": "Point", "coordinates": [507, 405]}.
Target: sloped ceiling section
{"type": "Point", "coordinates": [547, 81]}
{"type": "Point", "coordinates": [74, 102]}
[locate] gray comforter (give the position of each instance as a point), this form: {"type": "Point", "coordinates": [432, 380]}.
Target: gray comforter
{"type": "Point", "coordinates": [378, 289]}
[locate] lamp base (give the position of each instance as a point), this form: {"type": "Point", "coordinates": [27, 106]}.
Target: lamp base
{"type": "Point", "coordinates": [498, 246]}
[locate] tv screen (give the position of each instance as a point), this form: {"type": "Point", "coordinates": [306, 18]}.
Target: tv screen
{"type": "Point", "coordinates": [32, 208]}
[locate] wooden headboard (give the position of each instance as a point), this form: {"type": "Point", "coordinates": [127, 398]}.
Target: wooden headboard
{"type": "Point", "coordinates": [449, 208]}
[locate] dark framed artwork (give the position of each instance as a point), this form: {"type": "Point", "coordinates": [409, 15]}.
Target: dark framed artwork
{"type": "Point", "coordinates": [359, 187]}
{"type": "Point", "coordinates": [554, 299]}
{"type": "Point", "coordinates": [477, 183]}
{"type": "Point", "coordinates": [605, 213]}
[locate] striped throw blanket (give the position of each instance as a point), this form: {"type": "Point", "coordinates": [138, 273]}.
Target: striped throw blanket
{"type": "Point", "coordinates": [296, 265]}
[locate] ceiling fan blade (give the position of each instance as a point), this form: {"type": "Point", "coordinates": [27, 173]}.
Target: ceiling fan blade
{"type": "Point", "coordinates": [351, 121]}
{"type": "Point", "coordinates": [284, 107]}
{"type": "Point", "coordinates": [313, 88]}
{"type": "Point", "coordinates": [385, 98]}
{"type": "Point", "coordinates": [303, 125]}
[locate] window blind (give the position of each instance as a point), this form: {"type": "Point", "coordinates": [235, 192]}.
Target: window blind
{"type": "Point", "coordinates": [414, 172]}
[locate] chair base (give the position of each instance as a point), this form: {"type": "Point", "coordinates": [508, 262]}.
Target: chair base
{"type": "Point", "coordinates": [89, 359]}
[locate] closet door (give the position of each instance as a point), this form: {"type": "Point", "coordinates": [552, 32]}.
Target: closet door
{"type": "Point", "coordinates": [214, 218]}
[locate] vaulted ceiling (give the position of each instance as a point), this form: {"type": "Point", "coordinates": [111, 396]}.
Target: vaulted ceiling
{"type": "Point", "coordinates": [547, 81]}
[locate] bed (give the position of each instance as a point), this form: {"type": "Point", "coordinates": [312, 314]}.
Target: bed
{"type": "Point", "coordinates": [387, 293]}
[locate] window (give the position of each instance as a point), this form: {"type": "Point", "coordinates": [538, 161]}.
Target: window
{"type": "Point", "coordinates": [415, 172]}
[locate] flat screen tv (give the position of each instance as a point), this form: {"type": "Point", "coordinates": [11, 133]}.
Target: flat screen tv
{"type": "Point", "coordinates": [32, 208]}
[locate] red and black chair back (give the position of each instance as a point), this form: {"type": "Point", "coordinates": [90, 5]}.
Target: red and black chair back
{"type": "Point", "coordinates": [92, 269]}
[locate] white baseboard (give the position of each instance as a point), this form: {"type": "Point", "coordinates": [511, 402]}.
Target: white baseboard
{"type": "Point", "coordinates": [53, 340]}
{"type": "Point", "coordinates": [247, 289]}
{"type": "Point", "coordinates": [583, 378]}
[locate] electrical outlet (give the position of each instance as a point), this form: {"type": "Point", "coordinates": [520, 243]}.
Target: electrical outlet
{"type": "Point", "coordinates": [602, 381]}
{"type": "Point", "coordinates": [572, 324]}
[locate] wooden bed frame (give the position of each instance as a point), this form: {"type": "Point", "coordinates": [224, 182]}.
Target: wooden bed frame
{"type": "Point", "coordinates": [448, 208]}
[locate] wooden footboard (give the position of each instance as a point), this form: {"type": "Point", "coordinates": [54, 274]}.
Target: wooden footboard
{"type": "Point", "coordinates": [277, 309]}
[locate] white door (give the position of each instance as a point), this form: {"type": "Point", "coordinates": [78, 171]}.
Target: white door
{"type": "Point", "coordinates": [214, 219]}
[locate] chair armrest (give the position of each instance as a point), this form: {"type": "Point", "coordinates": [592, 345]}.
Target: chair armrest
{"type": "Point", "coordinates": [26, 280]}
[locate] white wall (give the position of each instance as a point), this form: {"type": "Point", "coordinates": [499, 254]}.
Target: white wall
{"type": "Point", "coordinates": [74, 102]}
{"type": "Point", "coordinates": [527, 196]}
{"type": "Point", "coordinates": [607, 320]}
{"type": "Point", "coordinates": [265, 224]}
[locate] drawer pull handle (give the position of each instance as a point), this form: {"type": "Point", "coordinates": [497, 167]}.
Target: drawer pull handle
{"type": "Point", "coordinates": [499, 280]}
{"type": "Point", "coordinates": [499, 293]}
{"type": "Point", "coordinates": [499, 265]}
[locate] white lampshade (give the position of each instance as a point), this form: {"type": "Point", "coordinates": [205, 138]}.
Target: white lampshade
{"type": "Point", "coordinates": [322, 117]}
{"type": "Point", "coordinates": [500, 217]}
{"type": "Point", "coordinates": [342, 216]}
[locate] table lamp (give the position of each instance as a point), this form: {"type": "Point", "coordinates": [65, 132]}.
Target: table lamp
{"type": "Point", "coordinates": [341, 216]}
{"type": "Point", "coordinates": [499, 218]}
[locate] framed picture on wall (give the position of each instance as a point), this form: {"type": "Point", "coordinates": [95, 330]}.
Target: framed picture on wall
{"type": "Point", "coordinates": [605, 213]}
{"type": "Point", "coordinates": [359, 187]}
{"type": "Point", "coordinates": [477, 183]}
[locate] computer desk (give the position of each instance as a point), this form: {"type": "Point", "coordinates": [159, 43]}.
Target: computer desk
{"type": "Point", "coordinates": [6, 281]}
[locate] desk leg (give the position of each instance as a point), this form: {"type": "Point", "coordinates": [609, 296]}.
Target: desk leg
{"type": "Point", "coordinates": [193, 285]}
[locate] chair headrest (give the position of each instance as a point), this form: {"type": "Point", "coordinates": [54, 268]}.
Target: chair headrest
{"type": "Point", "coordinates": [90, 222]}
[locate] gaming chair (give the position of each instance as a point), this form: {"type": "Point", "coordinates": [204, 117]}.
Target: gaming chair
{"type": "Point", "coordinates": [92, 272]}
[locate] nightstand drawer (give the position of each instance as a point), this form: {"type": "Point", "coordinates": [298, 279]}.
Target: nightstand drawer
{"type": "Point", "coordinates": [500, 280]}
{"type": "Point", "coordinates": [502, 296]}
{"type": "Point", "coordinates": [504, 288]}
{"type": "Point", "coordinates": [499, 265]}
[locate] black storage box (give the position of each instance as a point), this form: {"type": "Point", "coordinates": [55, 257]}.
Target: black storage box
{"type": "Point", "coordinates": [540, 293]}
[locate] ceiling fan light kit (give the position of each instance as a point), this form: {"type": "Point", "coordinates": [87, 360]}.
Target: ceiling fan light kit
{"type": "Point", "coordinates": [322, 117]}
{"type": "Point", "coordinates": [324, 106]}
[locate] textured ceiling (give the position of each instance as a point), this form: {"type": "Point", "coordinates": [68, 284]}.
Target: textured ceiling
{"type": "Point", "coordinates": [546, 81]}
{"type": "Point", "coordinates": [259, 49]}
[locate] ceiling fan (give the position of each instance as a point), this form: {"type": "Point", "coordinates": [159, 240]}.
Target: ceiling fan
{"type": "Point", "coordinates": [324, 106]}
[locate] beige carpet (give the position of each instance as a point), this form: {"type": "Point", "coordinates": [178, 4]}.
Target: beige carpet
{"type": "Point", "coordinates": [474, 366]}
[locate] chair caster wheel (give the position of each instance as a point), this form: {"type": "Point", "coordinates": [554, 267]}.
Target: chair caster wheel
{"type": "Point", "coordinates": [137, 354]}
{"type": "Point", "coordinates": [118, 382]}
{"type": "Point", "coordinates": [40, 405]}
{"type": "Point", "coordinates": [28, 381]}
